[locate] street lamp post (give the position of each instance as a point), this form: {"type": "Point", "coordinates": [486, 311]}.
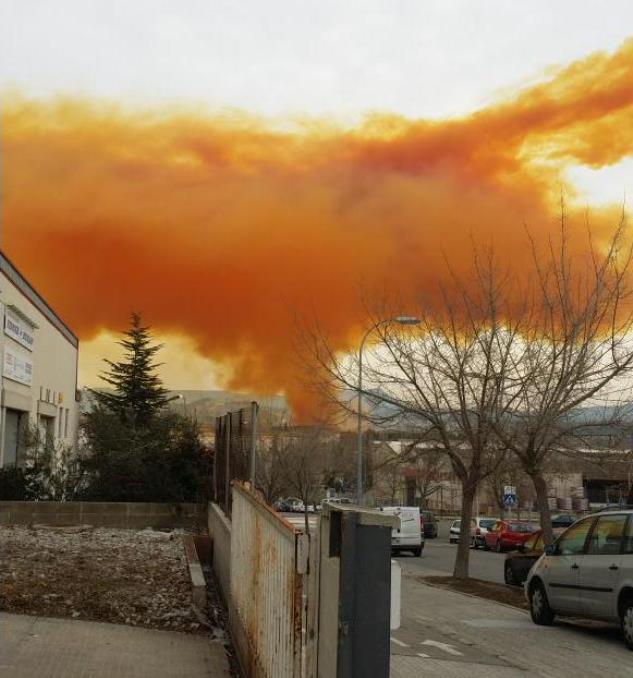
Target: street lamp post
{"type": "Point", "coordinates": [400, 320]}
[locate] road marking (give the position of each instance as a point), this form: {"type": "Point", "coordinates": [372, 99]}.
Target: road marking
{"type": "Point", "coordinates": [424, 656]}
{"type": "Point", "coordinates": [443, 646]}
{"type": "Point", "coordinates": [398, 642]}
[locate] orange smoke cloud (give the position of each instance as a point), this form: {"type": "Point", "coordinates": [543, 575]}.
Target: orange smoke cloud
{"type": "Point", "coordinates": [221, 227]}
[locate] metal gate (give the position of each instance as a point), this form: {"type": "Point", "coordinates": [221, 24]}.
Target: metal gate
{"type": "Point", "coordinates": [269, 560]}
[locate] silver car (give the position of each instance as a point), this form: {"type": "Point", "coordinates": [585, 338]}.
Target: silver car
{"type": "Point", "coordinates": [587, 572]}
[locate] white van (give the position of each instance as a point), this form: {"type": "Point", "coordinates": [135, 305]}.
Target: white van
{"type": "Point", "coordinates": [406, 536]}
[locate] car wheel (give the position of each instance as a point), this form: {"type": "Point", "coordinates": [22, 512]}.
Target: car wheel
{"type": "Point", "coordinates": [508, 575]}
{"type": "Point", "coordinates": [498, 548]}
{"type": "Point", "coordinates": [417, 552]}
{"type": "Point", "coordinates": [540, 611]}
{"type": "Point", "coordinates": [626, 622]}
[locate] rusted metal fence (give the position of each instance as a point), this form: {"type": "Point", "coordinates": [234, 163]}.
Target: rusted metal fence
{"type": "Point", "coordinates": [270, 587]}
{"type": "Point", "coordinates": [235, 451]}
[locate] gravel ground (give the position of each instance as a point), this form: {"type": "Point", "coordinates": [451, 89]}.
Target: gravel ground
{"type": "Point", "coordinates": [121, 576]}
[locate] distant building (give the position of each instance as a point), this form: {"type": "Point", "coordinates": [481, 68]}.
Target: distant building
{"type": "Point", "coordinates": [39, 368]}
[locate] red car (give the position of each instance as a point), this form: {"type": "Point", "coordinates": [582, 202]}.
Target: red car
{"type": "Point", "coordinates": [508, 535]}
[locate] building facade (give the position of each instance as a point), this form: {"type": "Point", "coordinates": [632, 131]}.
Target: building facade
{"type": "Point", "coordinates": [39, 369]}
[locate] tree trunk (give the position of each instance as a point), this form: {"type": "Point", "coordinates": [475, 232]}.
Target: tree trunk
{"type": "Point", "coordinates": [542, 503]}
{"type": "Point", "coordinates": [460, 571]}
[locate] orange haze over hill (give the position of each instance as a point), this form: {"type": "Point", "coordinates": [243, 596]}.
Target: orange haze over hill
{"type": "Point", "coordinates": [220, 227]}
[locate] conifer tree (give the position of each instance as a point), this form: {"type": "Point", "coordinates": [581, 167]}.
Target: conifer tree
{"type": "Point", "coordinates": [138, 394]}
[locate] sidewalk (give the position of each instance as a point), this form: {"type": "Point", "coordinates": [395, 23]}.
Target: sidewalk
{"type": "Point", "coordinates": [38, 647]}
{"type": "Point", "coordinates": [452, 635]}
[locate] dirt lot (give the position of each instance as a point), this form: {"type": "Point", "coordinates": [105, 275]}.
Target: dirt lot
{"type": "Point", "coordinates": [121, 576]}
{"type": "Point", "coordinates": [509, 595]}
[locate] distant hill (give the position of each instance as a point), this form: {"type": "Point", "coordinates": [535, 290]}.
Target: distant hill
{"type": "Point", "coordinates": [207, 405]}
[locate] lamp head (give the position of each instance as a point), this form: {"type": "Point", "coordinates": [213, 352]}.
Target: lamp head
{"type": "Point", "coordinates": [407, 320]}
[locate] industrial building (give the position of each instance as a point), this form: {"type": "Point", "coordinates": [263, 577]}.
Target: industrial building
{"type": "Point", "coordinates": [39, 369]}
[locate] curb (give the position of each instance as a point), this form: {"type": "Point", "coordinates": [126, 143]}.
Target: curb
{"type": "Point", "coordinates": [196, 576]}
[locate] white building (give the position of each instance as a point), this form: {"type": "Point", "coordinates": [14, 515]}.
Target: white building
{"type": "Point", "coordinates": [39, 367]}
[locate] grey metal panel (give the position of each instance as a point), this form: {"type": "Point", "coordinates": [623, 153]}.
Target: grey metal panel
{"type": "Point", "coordinates": [362, 547]}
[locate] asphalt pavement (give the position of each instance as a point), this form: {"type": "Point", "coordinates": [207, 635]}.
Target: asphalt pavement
{"type": "Point", "coordinates": [445, 634]}
{"type": "Point", "coordinates": [438, 558]}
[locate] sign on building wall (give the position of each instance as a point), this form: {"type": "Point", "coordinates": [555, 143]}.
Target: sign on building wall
{"type": "Point", "coordinates": [18, 329]}
{"type": "Point", "coordinates": [17, 368]}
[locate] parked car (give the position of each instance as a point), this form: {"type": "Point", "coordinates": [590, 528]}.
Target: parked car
{"type": "Point", "coordinates": [563, 520]}
{"type": "Point", "coordinates": [587, 572]}
{"type": "Point", "coordinates": [455, 530]}
{"type": "Point", "coordinates": [518, 563]}
{"type": "Point", "coordinates": [339, 500]}
{"type": "Point", "coordinates": [505, 535]}
{"type": "Point", "coordinates": [290, 505]}
{"type": "Point", "coordinates": [615, 507]}
{"type": "Point", "coordinates": [479, 530]}
{"type": "Point", "coordinates": [429, 525]}
{"type": "Point", "coordinates": [406, 536]}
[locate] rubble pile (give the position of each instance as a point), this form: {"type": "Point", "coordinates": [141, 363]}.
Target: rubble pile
{"type": "Point", "coordinates": [121, 576]}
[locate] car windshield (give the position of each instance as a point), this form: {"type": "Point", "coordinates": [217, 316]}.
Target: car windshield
{"type": "Point", "coordinates": [427, 515]}
{"type": "Point", "coordinates": [521, 527]}
{"type": "Point", "coordinates": [457, 523]}
{"type": "Point", "coordinates": [487, 524]}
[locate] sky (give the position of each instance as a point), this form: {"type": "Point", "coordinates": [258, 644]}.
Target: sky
{"type": "Point", "coordinates": [291, 62]}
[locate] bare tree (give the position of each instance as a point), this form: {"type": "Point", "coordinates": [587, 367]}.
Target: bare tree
{"type": "Point", "coordinates": [301, 462]}
{"type": "Point", "coordinates": [447, 378]}
{"type": "Point", "coordinates": [576, 350]}
{"type": "Point", "coordinates": [501, 366]}
{"type": "Point", "coordinates": [417, 463]}
{"type": "Point", "coordinates": [270, 468]}
{"type": "Point", "coordinates": [427, 466]}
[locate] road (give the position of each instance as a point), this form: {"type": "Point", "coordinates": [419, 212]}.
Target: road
{"type": "Point", "coordinates": [450, 635]}
{"type": "Point", "coordinates": [438, 558]}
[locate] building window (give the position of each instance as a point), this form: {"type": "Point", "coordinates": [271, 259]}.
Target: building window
{"type": "Point", "coordinates": [66, 423]}
{"type": "Point", "coordinates": [48, 395]}
{"type": "Point", "coordinates": [41, 392]}
{"type": "Point", "coordinates": [59, 426]}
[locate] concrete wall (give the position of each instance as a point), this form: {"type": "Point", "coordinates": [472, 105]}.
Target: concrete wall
{"type": "Point", "coordinates": [220, 532]}
{"type": "Point", "coordinates": [103, 514]}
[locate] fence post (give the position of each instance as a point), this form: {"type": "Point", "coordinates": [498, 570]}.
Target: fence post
{"type": "Point", "coordinates": [218, 433]}
{"type": "Point", "coordinates": [254, 413]}
{"type": "Point", "coordinates": [227, 464]}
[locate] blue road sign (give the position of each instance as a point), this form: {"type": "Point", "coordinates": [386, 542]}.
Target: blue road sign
{"type": "Point", "coordinates": [509, 496]}
{"type": "Point", "coordinates": [509, 500]}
